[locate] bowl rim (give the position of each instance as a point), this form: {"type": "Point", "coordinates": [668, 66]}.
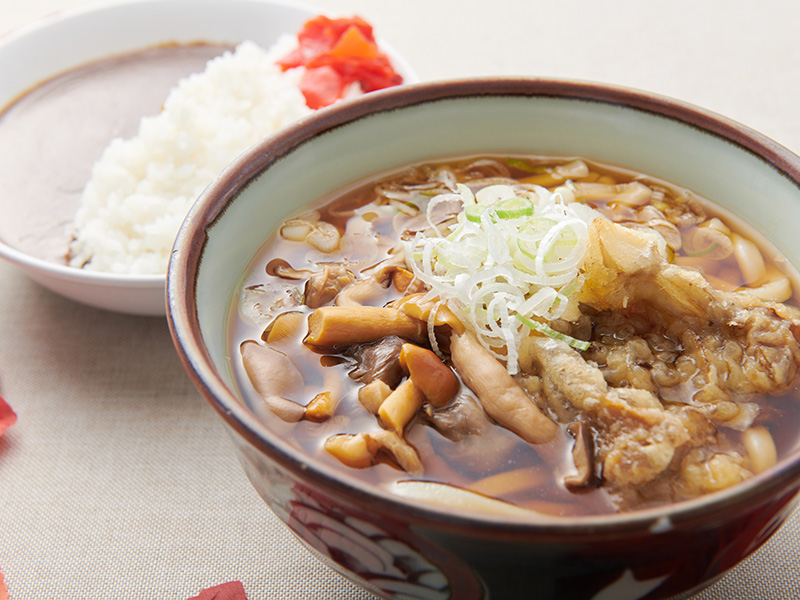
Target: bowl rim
{"type": "Point", "coordinates": [778, 484]}
{"type": "Point", "coordinates": [76, 274]}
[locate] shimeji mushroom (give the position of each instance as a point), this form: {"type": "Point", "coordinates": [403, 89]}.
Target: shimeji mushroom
{"type": "Point", "coordinates": [362, 450]}
{"type": "Point", "coordinates": [343, 325]}
{"type": "Point", "coordinates": [500, 395]}
{"type": "Point", "coordinates": [632, 194]}
{"type": "Point", "coordinates": [274, 377]}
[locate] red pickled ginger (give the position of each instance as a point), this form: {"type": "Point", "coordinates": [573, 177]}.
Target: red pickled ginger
{"type": "Point", "coordinates": [337, 53]}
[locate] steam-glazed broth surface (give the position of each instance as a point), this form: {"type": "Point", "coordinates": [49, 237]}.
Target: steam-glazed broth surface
{"type": "Point", "coordinates": [552, 333]}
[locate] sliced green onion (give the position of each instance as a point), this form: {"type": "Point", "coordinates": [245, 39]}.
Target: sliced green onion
{"type": "Point", "coordinates": [537, 226]}
{"type": "Point", "coordinates": [531, 233]}
{"type": "Point", "coordinates": [702, 252]}
{"type": "Point", "coordinates": [510, 208]}
{"type": "Point", "coordinates": [566, 239]}
{"type": "Point", "coordinates": [406, 207]}
{"type": "Point", "coordinates": [527, 248]}
{"type": "Point", "coordinates": [550, 332]}
{"type": "Point", "coordinates": [524, 166]}
{"type": "Point", "coordinates": [473, 212]}
{"type": "Point", "coordinates": [467, 197]}
{"type": "Point", "coordinates": [514, 208]}
{"type": "Point", "coordinates": [507, 253]}
{"type": "Point", "coordinates": [492, 194]}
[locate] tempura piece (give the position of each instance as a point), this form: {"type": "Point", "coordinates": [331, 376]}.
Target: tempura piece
{"type": "Point", "coordinates": [760, 339]}
{"type": "Point", "coordinates": [637, 439]}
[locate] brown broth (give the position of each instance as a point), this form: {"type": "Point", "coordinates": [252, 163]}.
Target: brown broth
{"type": "Point", "coordinates": [51, 136]}
{"type": "Point", "coordinates": [457, 463]}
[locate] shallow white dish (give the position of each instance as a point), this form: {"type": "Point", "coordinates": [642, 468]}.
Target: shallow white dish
{"type": "Point", "coordinates": [72, 38]}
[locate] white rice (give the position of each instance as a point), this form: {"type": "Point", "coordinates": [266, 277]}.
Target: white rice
{"type": "Point", "coordinates": [141, 188]}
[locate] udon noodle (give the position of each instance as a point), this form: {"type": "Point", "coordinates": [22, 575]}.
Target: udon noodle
{"type": "Point", "coordinates": [521, 333]}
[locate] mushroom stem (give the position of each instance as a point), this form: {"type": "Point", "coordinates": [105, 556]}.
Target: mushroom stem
{"type": "Point", "coordinates": [583, 459]}
{"type": "Point", "coordinates": [361, 450]}
{"type": "Point", "coordinates": [343, 325]}
{"type": "Point", "coordinates": [399, 407]}
{"type": "Point", "coordinates": [500, 395]}
{"type": "Point", "coordinates": [435, 379]}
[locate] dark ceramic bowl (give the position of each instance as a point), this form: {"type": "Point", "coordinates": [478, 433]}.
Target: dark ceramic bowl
{"type": "Point", "coordinates": [392, 545]}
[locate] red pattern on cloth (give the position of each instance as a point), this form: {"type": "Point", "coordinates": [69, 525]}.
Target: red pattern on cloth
{"type": "Point", "coordinates": [232, 590]}
{"type": "Point", "coordinates": [7, 418]}
{"type": "Point", "coordinates": [3, 588]}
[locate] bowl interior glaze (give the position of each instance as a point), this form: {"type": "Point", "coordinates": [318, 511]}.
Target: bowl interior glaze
{"type": "Point", "coordinates": [751, 176]}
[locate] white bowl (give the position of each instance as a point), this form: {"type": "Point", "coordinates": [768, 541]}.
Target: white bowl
{"type": "Point", "coordinates": [72, 38]}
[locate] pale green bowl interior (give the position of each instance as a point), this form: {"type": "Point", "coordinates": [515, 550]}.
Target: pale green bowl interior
{"type": "Point", "coordinates": [710, 165]}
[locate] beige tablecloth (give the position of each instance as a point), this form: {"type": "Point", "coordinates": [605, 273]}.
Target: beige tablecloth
{"type": "Point", "coordinates": [119, 482]}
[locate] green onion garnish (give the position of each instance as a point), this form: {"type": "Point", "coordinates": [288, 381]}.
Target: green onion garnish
{"type": "Point", "coordinates": [514, 208]}
{"type": "Point", "coordinates": [511, 208]}
{"type": "Point", "coordinates": [702, 252]}
{"type": "Point", "coordinates": [550, 332]}
{"type": "Point", "coordinates": [524, 166]}
{"type": "Point", "coordinates": [473, 212]}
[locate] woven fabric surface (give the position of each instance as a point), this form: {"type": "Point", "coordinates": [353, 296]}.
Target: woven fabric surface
{"type": "Point", "coordinates": [119, 481]}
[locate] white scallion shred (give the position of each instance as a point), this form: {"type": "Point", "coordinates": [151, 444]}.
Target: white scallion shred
{"type": "Point", "coordinates": [550, 332]}
{"type": "Point", "coordinates": [503, 273]}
